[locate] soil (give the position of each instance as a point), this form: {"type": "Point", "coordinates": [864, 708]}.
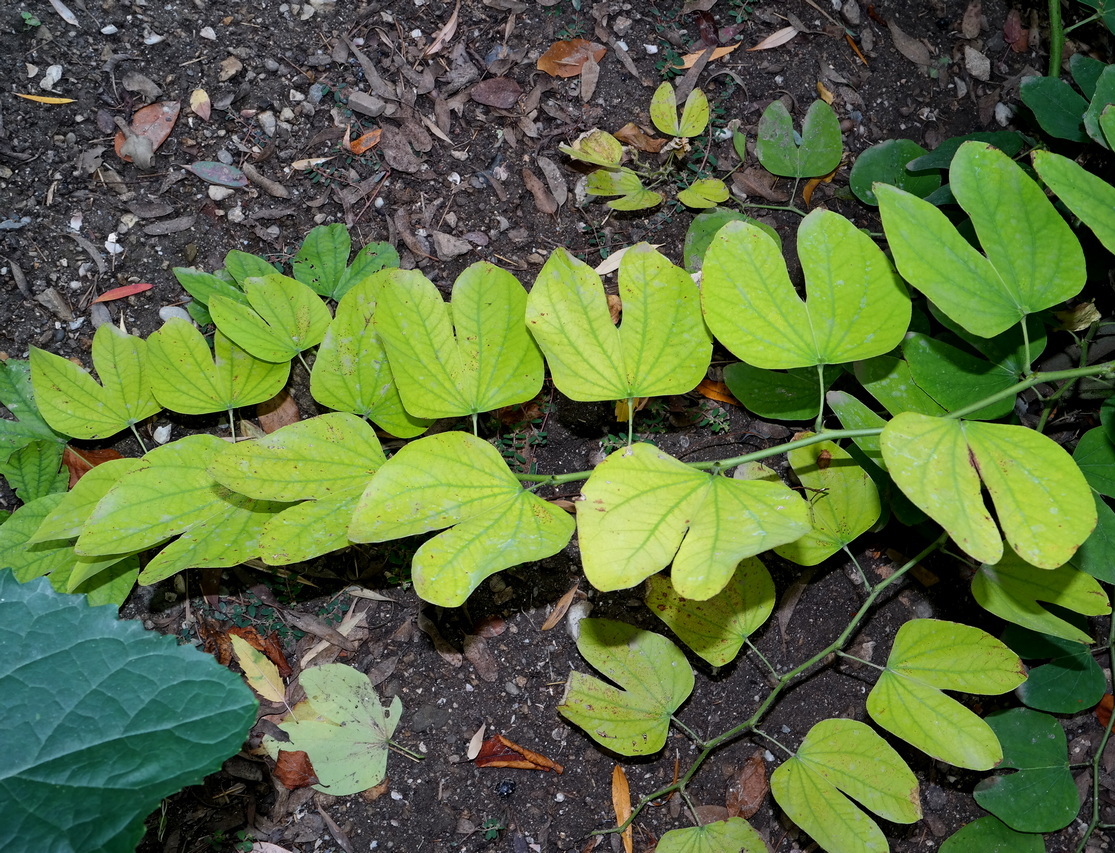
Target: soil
{"type": "Point", "coordinates": [446, 186]}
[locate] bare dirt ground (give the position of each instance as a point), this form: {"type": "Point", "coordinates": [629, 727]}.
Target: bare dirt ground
{"type": "Point", "coordinates": [446, 184]}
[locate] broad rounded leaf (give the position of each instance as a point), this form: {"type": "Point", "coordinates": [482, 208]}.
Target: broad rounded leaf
{"type": "Point", "coordinates": [654, 678]}
{"type": "Point", "coordinates": [1088, 196]}
{"type": "Point", "coordinates": [890, 381]}
{"type": "Point", "coordinates": [285, 317]}
{"type": "Point", "coordinates": [791, 395]}
{"type": "Point", "coordinates": [990, 835]}
{"type": "Point", "coordinates": [103, 721]}
{"type": "Point", "coordinates": [886, 163]}
{"type": "Point", "coordinates": [820, 149]}
{"type": "Point", "coordinates": [856, 306]}
{"type": "Point", "coordinates": [1070, 682]}
{"type": "Point", "coordinates": [734, 835]}
{"type": "Point", "coordinates": [661, 347]}
{"type": "Point", "coordinates": [928, 656]}
{"type": "Point", "coordinates": [644, 509]}
{"type": "Point", "coordinates": [840, 759]}
{"type": "Point", "coordinates": [322, 258]}
{"type": "Point", "coordinates": [1041, 498]}
{"type": "Point", "coordinates": [1095, 455]}
{"type": "Point", "coordinates": [955, 378]}
{"type": "Point", "coordinates": [716, 628]}
{"type": "Point", "coordinates": [664, 110]}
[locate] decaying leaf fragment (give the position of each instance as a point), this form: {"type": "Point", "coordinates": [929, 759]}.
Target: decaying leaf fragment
{"type": "Point", "coordinates": [498, 751]}
{"type": "Point", "coordinates": [567, 58]}
{"type": "Point", "coordinates": [748, 788]}
{"type": "Point", "coordinates": [294, 770]}
{"type": "Point", "coordinates": [621, 803]}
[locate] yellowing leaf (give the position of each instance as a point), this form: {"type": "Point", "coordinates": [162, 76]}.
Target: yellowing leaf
{"type": "Point", "coordinates": [200, 105]}
{"type": "Point", "coordinates": [45, 99]}
{"type": "Point", "coordinates": [621, 802]}
{"type": "Point", "coordinates": [262, 675]}
{"type": "Point", "coordinates": [776, 39]}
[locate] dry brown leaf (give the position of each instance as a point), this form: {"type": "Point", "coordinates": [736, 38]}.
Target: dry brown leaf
{"type": "Point", "coordinates": [319, 628]}
{"type": "Point", "coordinates": [294, 770]}
{"type": "Point", "coordinates": [590, 76]}
{"type": "Point", "coordinates": [280, 411]}
{"type": "Point", "coordinates": [824, 93]}
{"type": "Point", "coordinates": [215, 640]}
{"type": "Point", "coordinates": [269, 645]}
{"type": "Point", "coordinates": [1013, 34]}
{"type": "Point", "coordinates": [542, 197]}
{"type": "Point", "coordinates": [748, 788]}
{"type": "Point", "coordinates": [200, 105]}
{"type": "Point", "coordinates": [365, 142]}
{"type": "Point", "coordinates": [154, 122]}
{"type": "Point", "coordinates": [339, 835]}
{"type": "Point", "coordinates": [621, 803]}
{"type": "Point", "coordinates": [909, 47]}
{"type": "Point", "coordinates": [776, 39]}
{"type": "Point", "coordinates": [449, 654]}
{"type": "Point", "coordinates": [615, 307]}
{"type": "Point", "coordinates": [690, 59]}
{"type": "Point", "coordinates": [633, 135]}
{"type": "Point", "coordinates": [625, 410]}
{"type": "Point", "coordinates": [476, 742]}
{"type": "Point", "coordinates": [443, 36]}
{"type": "Point", "coordinates": [567, 58]}
{"type": "Point", "coordinates": [813, 183]}
{"type": "Point", "coordinates": [717, 391]}
{"type": "Point", "coordinates": [499, 92]}
{"type": "Point", "coordinates": [480, 656]}
{"type": "Point", "coordinates": [758, 182]}
{"type": "Point", "coordinates": [1104, 708]}
{"type": "Point", "coordinates": [560, 609]}
{"type": "Point", "coordinates": [498, 751]}
{"type": "Point", "coordinates": [554, 180]}
{"type": "Point", "coordinates": [80, 460]}
{"type": "Point", "coordinates": [970, 23]}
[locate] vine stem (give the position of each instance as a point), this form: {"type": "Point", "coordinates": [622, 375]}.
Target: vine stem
{"type": "Point", "coordinates": [1056, 38]}
{"type": "Point", "coordinates": [1094, 822]}
{"type": "Point", "coordinates": [784, 680]}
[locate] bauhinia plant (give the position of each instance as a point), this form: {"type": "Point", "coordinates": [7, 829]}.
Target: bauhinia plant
{"type": "Point", "coordinates": [939, 437]}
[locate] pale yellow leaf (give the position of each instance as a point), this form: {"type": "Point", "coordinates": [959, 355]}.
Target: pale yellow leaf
{"type": "Point", "coordinates": [45, 99]}
{"type": "Point", "coordinates": [776, 39]}
{"type": "Point", "coordinates": [263, 676]}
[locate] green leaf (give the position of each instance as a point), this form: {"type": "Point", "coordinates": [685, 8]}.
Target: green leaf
{"type": "Point", "coordinates": [242, 266]}
{"type": "Point", "coordinates": [457, 480]}
{"type": "Point", "coordinates": [596, 147]}
{"type": "Point", "coordinates": [1069, 683]}
{"type": "Point", "coordinates": [1057, 106]}
{"type": "Point", "coordinates": [1041, 498]}
{"type": "Point", "coordinates": [1012, 588]}
{"type": "Point", "coordinates": [661, 347]}
{"type": "Point", "coordinates": [36, 470]}
{"type": "Point", "coordinates": [351, 372]}
{"type": "Point", "coordinates": [694, 115]}
{"type": "Point", "coordinates": [1010, 142]}
{"type": "Point", "coordinates": [817, 154]}
{"type": "Point", "coordinates": [1041, 796]}
{"type": "Point", "coordinates": [1097, 555]}
{"type": "Point", "coordinates": [169, 495]}
{"type": "Point", "coordinates": [890, 381]}
{"type": "Point", "coordinates": [186, 377]}
{"type": "Point", "coordinates": [1103, 96]}
{"type": "Point", "coordinates": [704, 193]}
{"type": "Point", "coordinates": [369, 260]}
{"type": "Point", "coordinates": [643, 508]}
{"type": "Point", "coordinates": [106, 719]}
{"type": "Point", "coordinates": [856, 305]}
{"type": "Point", "coordinates": [840, 759]}
{"type": "Point", "coordinates": [622, 182]}
{"type": "Point", "coordinates": [35, 559]}
{"type": "Point", "coordinates": [792, 395]}
{"type": "Point", "coordinates": [321, 260]}
{"type": "Point", "coordinates": [843, 502]}
{"type": "Point", "coordinates": [1086, 195]}
{"type": "Point", "coordinates": [18, 397]}
{"type": "Point", "coordinates": [955, 379]}
{"type": "Point", "coordinates": [308, 529]}
{"type": "Point", "coordinates": [1086, 72]}
{"type": "Point", "coordinates": [471, 358]}
{"type": "Point", "coordinates": [717, 628]}
{"type": "Point", "coordinates": [734, 835]}
{"type": "Point", "coordinates": [855, 415]}
{"type": "Point", "coordinates": [1095, 454]}
{"type": "Point", "coordinates": [703, 228]}
{"type": "Point", "coordinates": [73, 403]}
{"type": "Point", "coordinates": [887, 163]}
{"type": "Point", "coordinates": [664, 110]}
{"type": "Point", "coordinates": [203, 286]}
{"type": "Point", "coordinates": [929, 656]}
{"type": "Point", "coordinates": [347, 739]}
{"type": "Point", "coordinates": [1032, 261]}
{"type": "Point", "coordinates": [285, 317]}
{"type": "Point", "coordinates": [70, 516]}
{"type": "Point", "coordinates": [654, 679]}
{"type": "Point", "coordinates": [991, 835]}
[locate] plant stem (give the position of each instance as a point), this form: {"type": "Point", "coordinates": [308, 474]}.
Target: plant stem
{"type": "Point", "coordinates": [688, 731]}
{"type": "Point", "coordinates": [1056, 38]}
{"type": "Point", "coordinates": [402, 750]}
{"type": "Point", "coordinates": [630, 421]}
{"type": "Point", "coordinates": [475, 429]}
{"type": "Point", "coordinates": [135, 432]}
{"type": "Point", "coordinates": [819, 424]}
{"type": "Point", "coordinates": [1094, 821]}
{"type": "Point", "coordinates": [232, 424]}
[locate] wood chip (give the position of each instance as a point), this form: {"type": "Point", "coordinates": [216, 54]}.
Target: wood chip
{"type": "Point", "coordinates": [272, 188]}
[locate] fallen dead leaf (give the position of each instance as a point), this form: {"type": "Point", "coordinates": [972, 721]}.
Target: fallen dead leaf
{"type": "Point", "coordinates": [567, 58]}
{"type": "Point", "coordinates": [153, 123]}
{"type": "Point", "coordinates": [269, 645]}
{"type": "Point", "coordinates": [281, 410]}
{"type": "Point", "coordinates": [717, 391]}
{"type": "Point", "coordinates": [633, 135]}
{"type": "Point", "coordinates": [590, 76]}
{"type": "Point", "coordinates": [753, 181]}
{"type": "Point", "coordinates": [294, 770]}
{"type": "Point", "coordinates": [365, 142]}
{"type": "Point", "coordinates": [554, 180]}
{"type": "Point", "coordinates": [1104, 708]}
{"type": "Point", "coordinates": [476, 742]}
{"type": "Point", "coordinates": [970, 23]}
{"type": "Point", "coordinates": [542, 196]}
{"type": "Point", "coordinates": [748, 788]}
{"type": "Point", "coordinates": [499, 92]}
{"type": "Point", "coordinates": [498, 751]}
{"type": "Point", "coordinates": [449, 654]}
{"type": "Point", "coordinates": [813, 183]}
{"type": "Point", "coordinates": [200, 105]}
{"type": "Point", "coordinates": [561, 608]}
{"type": "Point", "coordinates": [609, 265]}
{"type": "Point", "coordinates": [625, 410]}
{"type": "Point", "coordinates": [122, 292]}
{"type": "Point", "coordinates": [339, 835]}
{"type": "Point", "coordinates": [480, 656]}
{"type": "Point", "coordinates": [230, 67]}
{"type": "Point", "coordinates": [80, 460]}
{"type": "Point", "coordinates": [1014, 34]}
{"type": "Point", "coordinates": [776, 39]}
{"type": "Point", "coordinates": [690, 59]}
{"type": "Point", "coordinates": [615, 307]}
{"type": "Point", "coordinates": [443, 36]}
{"type": "Point", "coordinates": [44, 99]}
{"type": "Point", "coordinates": [909, 47]}
{"type": "Point", "coordinates": [621, 804]}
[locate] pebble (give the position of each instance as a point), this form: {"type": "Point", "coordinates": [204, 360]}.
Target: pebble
{"type": "Point", "coordinates": [168, 312]}
{"type": "Point", "coordinates": [220, 193]}
{"type": "Point", "coordinates": [511, 689]}
{"type": "Point", "coordinates": [267, 121]}
{"type": "Point", "coordinates": [271, 65]}
{"type": "Point", "coordinates": [99, 314]}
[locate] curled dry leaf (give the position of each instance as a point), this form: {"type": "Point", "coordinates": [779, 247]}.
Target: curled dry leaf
{"type": "Point", "coordinates": [621, 803]}
{"type": "Point", "coordinates": [366, 142]}
{"type": "Point", "coordinates": [970, 24]}
{"type": "Point", "coordinates": [560, 609]}
{"type": "Point", "coordinates": [909, 47]}
{"type": "Point", "coordinates": [748, 788]}
{"type": "Point", "coordinates": [281, 410]}
{"type": "Point", "coordinates": [154, 123]}
{"type": "Point", "coordinates": [480, 656]}
{"type": "Point", "coordinates": [717, 391]}
{"type": "Point", "coordinates": [567, 58]}
{"type": "Point", "coordinates": [476, 742]}
{"type": "Point", "coordinates": [443, 36]}
{"type": "Point", "coordinates": [269, 645]}
{"type": "Point", "coordinates": [690, 59]}
{"type": "Point", "coordinates": [449, 654]}
{"type": "Point", "coordinates": [499, 92]}
{"type": "Point", "coordinates": [498, 751]}
{"type": "Point", "coordinates": [294, 769]}
{"type": "Point", "coordinates": [80, 460]}
{"type": "Point", "coordinates": [542, 197]}
{"type": "Point", "coordinates": [200, 105]}
{"type": "Point", "coordinates": [1104, 708]}
{"type": "Point", "coordinates": [633, 135]}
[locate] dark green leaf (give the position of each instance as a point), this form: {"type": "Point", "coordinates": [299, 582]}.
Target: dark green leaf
{"type": "Point", "coordinates": [887, 163]}
{"type": "Point", "coordinates": [1058, 107]}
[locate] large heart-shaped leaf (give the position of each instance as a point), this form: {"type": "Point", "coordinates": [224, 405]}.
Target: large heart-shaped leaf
{"type": "Point", "coordinates": [322, 258]}
{"type": "Point", "coordinates": [1095, 455]}
{"type": "Point", "coordinates": [1032, 260]}
{"type": "Point", "coordinates": [818, 152]}
{"type": "Point", "coordinates": [283, 317]}
{"type": "Point", "coordinates": [18, 397]}
{"type": "Point", "coordinates": [654, 678]}
{"type": "Point", "coordinates": [72, 402]}
{"type": "Point", "coordinates": [734, 835]}
{"type": "Point", "coordinates": [345, 731]}
{"type": "Point", "coordinates": [955, 378]}
{"type": "Point", "coordinates": [103, 720]}
{"type": "Point", "coordinates": [1088, 196]}
{"type": "Point", "coordinates": [929, 656]}
{"type": "Point", "coordinates": [1041, 796]}
{"type": "Point", "coordinates": [1069, 682]}
{"type": "Point", "coordinates": [661, 347]}
{"type": "Point", "coordinates": [1097, 555]}
{"type": "Point", "coordinates": [856, 306]}
{"type": "Point", "coordinates": [889, 380]}
{"type": "Point", "coordinates": [1012, 590]}
{"type": "Point", "coordinates": [351, 372]}
{"type": "Point", "coordinates": [186, 377]}
{"type": "Point", "coordinates": [1041, 498]}
{"type": "Point", "coordinates": [843, 502]}
{"type": "Point", "coordinates": [990, 835]}
{"type": "Point", "coordinates": [472, 358]}
{"type": "Point", "coordinates": [644, 509]}
{"type": "Point", "coordinates": [717, 628]}
{"type": "Point", "coordinates": [457, 480]}
{"type": "Point", "coordinates": [840, 759]}
{"type": "Point", "coordinates": [694, 115]}
{"type": "Point", "coordinates": [791, 395]}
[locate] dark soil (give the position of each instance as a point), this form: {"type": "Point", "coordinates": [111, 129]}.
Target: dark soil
{"type": "Point", "coordinates": [450, 166]}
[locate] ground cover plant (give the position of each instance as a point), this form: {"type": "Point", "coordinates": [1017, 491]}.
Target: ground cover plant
{"type": "Point", "coordinates": [396, 354]}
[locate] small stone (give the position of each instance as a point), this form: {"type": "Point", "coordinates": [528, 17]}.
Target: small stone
{"type": "Point", "coordinates": [267, 121]}
{"type": "Point", "coordinates": [978, 65]}
{"type": "Point", "coordinates": [286, 115]}
{"type": "Point", "coordinates": [447, 246]}
{"type": "Point", "coordinates": [220, 193]}
{"type": "Point", "coordinates": [295, 96]}
{"type": "Point", "coordinates": [271, 65]}
{"type": "Point", "coordinates": [368, 104]}
{"type": "Point", "coordinates": [207, 33]}
{"type": "Point", "coordinates": [230, 67]}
